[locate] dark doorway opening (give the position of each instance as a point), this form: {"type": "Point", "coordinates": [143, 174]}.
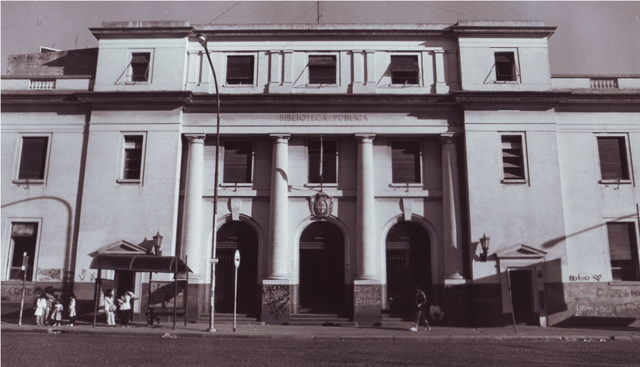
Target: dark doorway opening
{"type": "Point", "coordinates": [522, 296]}
{"type": "Point", "coordinates": [125, 282]}
{"type": "Point", "coordinates": [321, 269]}
{"type": "Point", "coordinates": [234, 236]}
{"type": "Point", "coordinates": [408, 251]}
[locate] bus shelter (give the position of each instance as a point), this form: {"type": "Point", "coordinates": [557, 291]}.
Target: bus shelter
{"type": "Point", "coordinates": [141, 264]}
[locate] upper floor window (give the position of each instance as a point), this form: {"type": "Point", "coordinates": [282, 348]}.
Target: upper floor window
{"type": "Point", "coordinates": [505, 64]}
{"type": "Point", "coordinates": [140, 65]}
{"type": "Point", "coordinates": [405, 161]}
{"type": "Point", "coordinates": [240, 69]}
{"type": "Point", "coordinates": [238, 159]}
{"type": "Point", "coordinates": [132, 157]}
{"type": "Point", "coordinates": [404, 70]}
{"type": "Point", "coordinates": [623, 249]}
{"type": "Point", "coordinates": [613, 158]}
{"type": "Point", "coordinates": [513, 157]}
{"type": "Point", "coordinates": [323, 161]}
{"type": "Point", "coordinates": [322, 69]}
{"type": "Point", "coordinates": [23, 241]}
{"type": "Point", "coordinates": [33, 158]}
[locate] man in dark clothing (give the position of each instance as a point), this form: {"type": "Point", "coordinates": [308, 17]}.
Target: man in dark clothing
{"type": "Point", "coordinates": [421, 300]}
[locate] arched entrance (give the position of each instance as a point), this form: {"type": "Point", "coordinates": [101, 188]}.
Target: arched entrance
{"type": "Point", "coordinates": [234, 236]}
{"type": "Point", "coordinates": [321, 269]}
{"type": "Point", "coordinates": [408, 253]}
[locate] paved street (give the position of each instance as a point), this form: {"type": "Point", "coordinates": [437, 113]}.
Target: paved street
{"type": "Point", "coordinates": [22, 349]}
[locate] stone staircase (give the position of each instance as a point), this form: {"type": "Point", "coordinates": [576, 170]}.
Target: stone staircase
{"type": "Point", "coordinates": [311, 319]}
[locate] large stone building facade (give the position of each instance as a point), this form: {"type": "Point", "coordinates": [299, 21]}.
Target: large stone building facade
{"type": "Point", "coordinates": [355, 162]}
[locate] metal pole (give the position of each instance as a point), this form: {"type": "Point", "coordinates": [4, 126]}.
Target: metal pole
{"type": "Point", "coordinates": [202, 39]}
{"type": "Point", "coordinates": [186, 287]}
{"type": "Point", "coordinates": [513, 316]}
{"type": "Point", "coordinates": [235, 301]}
{"type": "Point", "coordinates": [25, 266]}
{"type": "Point", "coordinates": [175, 294]}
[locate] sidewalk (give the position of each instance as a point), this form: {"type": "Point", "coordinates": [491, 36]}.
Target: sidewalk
{"type": "Point", "coordinates": [245, 331]}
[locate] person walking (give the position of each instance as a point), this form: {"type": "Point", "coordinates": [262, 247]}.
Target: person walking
{"type": "Point", "coordinates": [72, 309]}
{"type": "Point", "coordinates": [125, 307]}
{"type": "Point", "coordinates": [110, 308]}
{"type": "Point", "coordinates": [421, 300]}
{"type": "Point", "coordinates": [41, 305]}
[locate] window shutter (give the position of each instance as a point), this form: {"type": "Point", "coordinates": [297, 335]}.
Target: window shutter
{"type": "Point", "coordinates": [405, 157]}
{"type": "Point", "coordinates": [623, 250]}
{"type": "Point", "coordinates": [512, 157]}
{"type": "Point", "coordinates": [240, 70]}
{"type": "Point", "coordinates": [322, 70]}
{"type": "Point", "coordinates": [237, 161]}
{"type": "Point", "coordinates": [132, 157]}
{"type": "Point", "coordinates": [322, 61]}
{"type": "Point", "coordinates": [505, 66]}
{"type": "Point", "coordinates": [33, 158]}
{"type": "Point", "coordinates": [613, 158]}
{"type": "Point", "coordinates": [404, 63]}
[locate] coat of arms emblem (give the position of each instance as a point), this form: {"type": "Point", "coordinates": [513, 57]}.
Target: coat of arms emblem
{"type": "Point", "coordinates": [321, 205]}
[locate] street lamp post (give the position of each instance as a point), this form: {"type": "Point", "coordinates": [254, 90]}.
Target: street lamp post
{"type": "Point", "coordinates": [202, 39]}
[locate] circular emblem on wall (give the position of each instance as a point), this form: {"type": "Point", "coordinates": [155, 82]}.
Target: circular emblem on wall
{"type": "Point", "coordinates": [321, 205]}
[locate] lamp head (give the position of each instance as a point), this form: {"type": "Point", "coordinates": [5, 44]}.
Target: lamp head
{"type": "Point", "coordinates": [157, 242]}
{"type": "Point", "coordinates": [484, 242]}
{"type": "Point", "coordinates": [202, 39]}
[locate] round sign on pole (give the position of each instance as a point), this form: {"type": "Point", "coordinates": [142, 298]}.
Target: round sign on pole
{"type": "Point", "coordinates": [236, 259]}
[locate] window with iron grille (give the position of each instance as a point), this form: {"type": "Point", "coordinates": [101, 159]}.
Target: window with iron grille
{"type": "Point", "coordinates": [238, 158]}
{"type": "Point", "coordinates": [505, 64]}
{"type": "Point", "coordinates": [329, 161]}
{"type": "Point", "coordinates": [33, 158]}
{"type": "Point", "coordinates": [140, 62]}
{"type": "Point", "coordinates": [405, 162]}
{"type": "Point", "coordinates": [613, 158]}
{"type": "Point", "coordinates": [132, 167]}
{"type": "Point", "coordinates": [23, 240]}
{"type": "Point", "coordinates": [240, 69]}
{"type": "Point", "coordinates": [404, 70]}
{"type": "Point", "coordinates": [623, 250]}
{"type": "Point", "coordinates": [513, 157]}
{"type": "Point", "coordinates": [322, 69]}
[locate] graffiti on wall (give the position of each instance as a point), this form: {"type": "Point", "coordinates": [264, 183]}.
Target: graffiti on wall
{"type": "Point", "coordinates": [11, 293]}
{"type": "Point", "coordinates": [49, 275]}
{"type": "Point", "coordinates": [275, 299]}
{"type": "Point", "coordinates": [585, 278]}
{"type": "Point", "coordinates": [367, 296]}
{"type": "Point", "coordinates": [611, 301]}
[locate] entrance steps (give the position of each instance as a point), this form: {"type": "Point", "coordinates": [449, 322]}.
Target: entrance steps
{"type": "Point", "coordinates": [227, 318]}
{"type": "Point", "coordinates": [397, 319]}
{"type": "Point", "coordinates": [311, 319]}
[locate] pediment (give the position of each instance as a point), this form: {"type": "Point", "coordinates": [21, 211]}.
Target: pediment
{"type": "Point", "coordinates": [121, 247]}
{"type": "Point", "coordinates": [521, 252]}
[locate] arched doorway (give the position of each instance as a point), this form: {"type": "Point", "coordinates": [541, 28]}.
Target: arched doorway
{"type": "Point", "coordinates": [321, 269]}
{"type": "Point", "coordinates": [234, 236]}
{"type": "Point", "coordinates": [408, 254]}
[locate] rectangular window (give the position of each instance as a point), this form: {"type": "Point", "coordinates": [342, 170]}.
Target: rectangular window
{"type": "Point", "coordinates": [623, 249]}
{"type": "Point", "coordinates": [33, 158]}
{"type": "Point", "coordinates": [506, 70]}
{"type": "Point", "coordinates": [513, 157]}
{"type": "Point", "coordinates": [140, 62]}
{"type": "Point", "coordinates": [613, 158]}
{"type": "Point", "coordinates": [24, 239]}
{"type": "Point", "coordinates": [405, 161]}
{"type": "Point", "coordinates": [404, 70]}
{"type": "Point", "coordinates": [239, 69]}
{"type": "Point", "coordinates": [238, 156]}
{"type": "Point", "coordinates": [322, 70]}
{"type": "Point", "coordinates": [132, 167]}
{"type": "Point", "coordinates": [329, 161]}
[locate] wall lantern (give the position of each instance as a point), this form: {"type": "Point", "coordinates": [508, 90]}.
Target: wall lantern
{"type": "Point", "coordinates": [484, 242]}
{"type": "Point", "coordinates": [157, 242]}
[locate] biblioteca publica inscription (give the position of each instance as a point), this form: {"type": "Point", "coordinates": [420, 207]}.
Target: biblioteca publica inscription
{"type": "Point", "coordinates": [323, 117]}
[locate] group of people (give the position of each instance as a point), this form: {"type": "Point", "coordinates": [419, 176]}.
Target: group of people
{"type": "Point", "coordinates": [435, 312]}
{"type": "Point", "coordinates": [48, 310]}
{"type": "Point", "coordinates": [122, 304]}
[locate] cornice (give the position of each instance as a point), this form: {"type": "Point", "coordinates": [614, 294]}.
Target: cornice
{"type": "Point", "coordinates": [509, 100]}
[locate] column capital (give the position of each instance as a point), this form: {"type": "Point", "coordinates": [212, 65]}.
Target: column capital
{"type": "Point", "coordinates": [365, 138]}
{"type": "Point", "coordinates": [438, 51]}
{"type": "Point", "coordinates": [195, 136]}
{"type": "Point", "coordinates": [449, 138]}
{"type": "Point", "coordinates": [280, 138]}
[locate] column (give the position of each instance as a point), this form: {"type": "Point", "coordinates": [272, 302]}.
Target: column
{"type": "Point", "coordinates": [441, 84]}
{"type": "Point", "coordinates": [276, 288]}
{"type": "Point", "coordinates": [451, 209]}
{"type": "Point", "coordinates": [192, 221]}
{"type": "Point", "coordinates": [367, 296]}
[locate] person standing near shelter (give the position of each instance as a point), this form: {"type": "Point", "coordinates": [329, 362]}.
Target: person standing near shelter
{"type": "Point", "coordinates": [72, 309]}
{"type": "Point", "coordinates": [56, 315]}
{"type": "Point", "coordinates": [110, 308]}
{"type": "Point", "coordinates": [125, 307]}
{"type": "Point", "coordinates": [421, 300]}
{"type": "Point", "coordinates": [41, 305]}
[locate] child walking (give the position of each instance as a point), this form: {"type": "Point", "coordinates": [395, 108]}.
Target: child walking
{"type": "Point", "coordinates": [72, 309]}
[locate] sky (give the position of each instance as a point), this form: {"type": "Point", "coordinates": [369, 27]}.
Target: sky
{"type": "Point", "coordinates": [594, 37]}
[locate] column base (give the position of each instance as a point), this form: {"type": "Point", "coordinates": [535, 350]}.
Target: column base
{"type": "Point", "coordinates": [276, 302]}
{"type": "Point", "coordinates": [367, 303]}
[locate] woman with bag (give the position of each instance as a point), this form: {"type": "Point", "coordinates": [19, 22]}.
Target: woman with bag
{"type": "Point", "coordinates": [110, 308]}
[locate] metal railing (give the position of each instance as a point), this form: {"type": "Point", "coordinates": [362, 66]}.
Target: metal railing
{"type": "Point", "coordinates": [604, 83]}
